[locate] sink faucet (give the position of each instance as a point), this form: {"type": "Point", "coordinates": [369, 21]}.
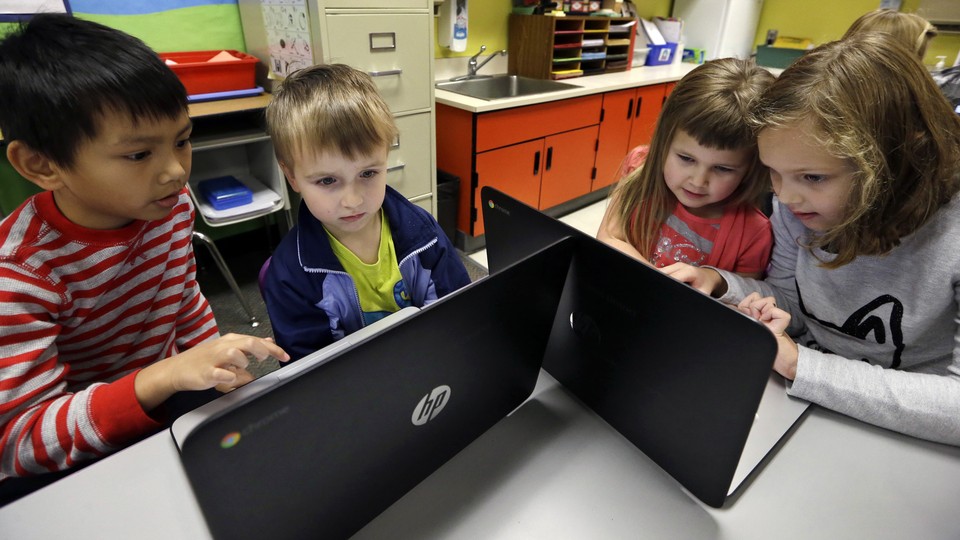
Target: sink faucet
{"type": "Point", "coordinates": [473, 67]}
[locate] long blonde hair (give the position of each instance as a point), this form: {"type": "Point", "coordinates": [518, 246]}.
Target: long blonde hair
{"type": "Point", "coordinates": [711, 104]}
{"type": "Point", "coordinates": [871, 102]}
{"type": "Point", "coordinates": [909, 28]}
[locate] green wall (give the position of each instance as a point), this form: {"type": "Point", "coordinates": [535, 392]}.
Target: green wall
{"type": "Point", "coordinates": [197, 28]}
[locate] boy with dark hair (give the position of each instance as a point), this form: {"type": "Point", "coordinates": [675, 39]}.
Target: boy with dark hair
{"type": "Point", "coordinates": [101, 318]}
{"type": "Point", "coordinates": [360, 250]}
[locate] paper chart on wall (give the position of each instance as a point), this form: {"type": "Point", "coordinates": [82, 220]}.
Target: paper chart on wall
{"type": "Point", "coordinates": [287, 25]}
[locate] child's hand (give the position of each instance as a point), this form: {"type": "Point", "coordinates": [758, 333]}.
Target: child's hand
{"type": "Point", "coordinates": [218, 363]}
{"type": "Point", "coordinates": [765, 310]}
{"type": "Point", "coordinates": [706, 280]}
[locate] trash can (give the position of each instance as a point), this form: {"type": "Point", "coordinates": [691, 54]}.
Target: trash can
{"type": "Point", "coordinates": [448, 194]}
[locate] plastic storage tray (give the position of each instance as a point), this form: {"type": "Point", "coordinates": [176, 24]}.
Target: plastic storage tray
{"type": "Point", "coordinates": [225, 192]}
{"type": "Point", "coordinates": [200, 76]}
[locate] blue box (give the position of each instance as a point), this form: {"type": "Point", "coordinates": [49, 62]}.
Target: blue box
{"type": "Point", "coordinates": [660, 55]}
{"type": "Point", "coordinates": [225, 192]}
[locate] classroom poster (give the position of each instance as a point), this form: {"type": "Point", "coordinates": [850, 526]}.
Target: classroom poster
{"type": "Point", "coordinates": [287, 25]}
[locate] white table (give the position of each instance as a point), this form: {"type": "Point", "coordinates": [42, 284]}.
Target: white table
{"type": "Point", "coordinates": [553, 469]}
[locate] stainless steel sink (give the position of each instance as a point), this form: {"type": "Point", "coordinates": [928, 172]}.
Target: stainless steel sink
{"type": "Point", "coordinates": [503, 86]}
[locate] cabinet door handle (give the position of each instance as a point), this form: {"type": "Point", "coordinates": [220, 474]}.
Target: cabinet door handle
{"type": "Point", "coordinates": [630, 109]}
{"type": "Point", "coordinates": [639, 104]}
{"type": "Point", "coordinates": [549, 158]}
{"type": "Point", "coordinates": [536, 163]}
{"type": "Point", "coordinates": [396, 167]}
{"type": "Point", "coordinates": [385, 73]}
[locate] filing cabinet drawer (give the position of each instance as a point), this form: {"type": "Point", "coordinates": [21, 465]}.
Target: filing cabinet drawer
{"type": "Point", "coordinates": [426, 203]}
{"type": "Point", "coordinates": [395, 49]}
{"type": "Point", "coordinates": [408, 164]}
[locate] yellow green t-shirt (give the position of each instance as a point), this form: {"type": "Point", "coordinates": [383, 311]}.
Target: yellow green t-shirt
{"type": "Point", "coordinates": [379, 285]}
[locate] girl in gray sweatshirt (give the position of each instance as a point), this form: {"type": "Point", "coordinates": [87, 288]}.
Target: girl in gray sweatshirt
{"type": "Point", "coordinates": [864, 157]}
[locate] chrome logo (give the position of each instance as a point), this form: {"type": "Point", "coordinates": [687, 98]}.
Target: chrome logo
{"type": "Point", "coordinates": [490, 204]}
{"type": "Point", "coordinates": [230, 440]}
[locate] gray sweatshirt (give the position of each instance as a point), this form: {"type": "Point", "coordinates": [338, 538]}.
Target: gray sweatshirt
{"type": "Point", "coordinates": [879, 337]}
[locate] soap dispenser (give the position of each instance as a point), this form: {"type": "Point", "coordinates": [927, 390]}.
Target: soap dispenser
{"type": "Point", "coordinates": [452, 25]}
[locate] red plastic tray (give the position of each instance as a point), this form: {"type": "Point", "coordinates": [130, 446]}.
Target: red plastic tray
{"type": "Point", "coordinates": [202, 77]}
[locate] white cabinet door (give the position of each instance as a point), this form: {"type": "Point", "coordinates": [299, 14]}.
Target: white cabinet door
{"type": "Point", "coordinates": [395, 49]}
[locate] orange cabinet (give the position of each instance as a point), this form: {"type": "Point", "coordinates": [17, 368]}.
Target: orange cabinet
{"type": "Point", "coordinates": [544, 155]}
{"type": "Point", "coordinates": [629, 117]}
{"type": "Point", "coordinates": [567, 171]}
{"type": "Point", "coordinates": [541, 154]}
{"type": "Point", "coordinates": [514, 169]}
{"type": "Point", "coordinates": [542, 173]}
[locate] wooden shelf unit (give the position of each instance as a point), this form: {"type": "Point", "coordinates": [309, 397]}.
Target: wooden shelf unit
{"type": "Point", "coordinates": [547, 47]}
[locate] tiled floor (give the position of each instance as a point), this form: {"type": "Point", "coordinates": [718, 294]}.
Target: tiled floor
{"type": "Point", "coordinates": [586, 219]}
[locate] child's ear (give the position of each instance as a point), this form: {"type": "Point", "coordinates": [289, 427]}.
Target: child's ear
{"type": "Point", "coordinates": [287, 174]}
{"type": "Point", "coordinates": [34, 166]}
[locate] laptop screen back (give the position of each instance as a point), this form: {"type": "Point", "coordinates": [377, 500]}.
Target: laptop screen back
{"type": "Point", "coordinates": [320, 455]}
{"type": "Point", "coordinates": [677, 373]}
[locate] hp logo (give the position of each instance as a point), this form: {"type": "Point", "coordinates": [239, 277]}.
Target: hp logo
{"type": "Point", "coordinates": [431, 405]}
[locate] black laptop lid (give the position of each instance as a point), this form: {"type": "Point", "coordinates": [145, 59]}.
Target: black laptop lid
{"type": "Point", "coordinates": [322, 454]}
{"type": "Point", "coordinates": [518, 230]}
{"type": "Point", "coordinates": [676, 372]}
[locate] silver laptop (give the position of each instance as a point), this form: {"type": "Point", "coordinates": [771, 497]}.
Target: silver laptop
{"type": "Point", "coordinates": [686, 379]}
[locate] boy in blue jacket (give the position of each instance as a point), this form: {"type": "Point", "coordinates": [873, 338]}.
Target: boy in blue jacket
{"type": "Point", "coordinates": [360, 251]}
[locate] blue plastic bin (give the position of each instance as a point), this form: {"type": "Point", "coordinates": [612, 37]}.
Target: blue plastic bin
{"type": "Point", "coordinates": [660, 55]}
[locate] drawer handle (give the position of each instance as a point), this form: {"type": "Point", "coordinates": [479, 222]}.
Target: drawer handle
{"type": "Point", "coordinates": [396, 167]}
{"type": "Point", "coordinates": [536, 163]}
{"type": "Point", "coordinates": [630, 109]}
{"type": "Point", "coordinates": [385, 73]}
{"type": "Point", "coordinates": [549, 158]}
{"type": "Point", "coordinates": [390, 41]}
{"type": "Point", "coordinates": [639, 103]}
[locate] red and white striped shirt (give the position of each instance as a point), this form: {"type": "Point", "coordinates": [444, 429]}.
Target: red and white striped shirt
{"type": "Point", "coordinates": [81, 311]}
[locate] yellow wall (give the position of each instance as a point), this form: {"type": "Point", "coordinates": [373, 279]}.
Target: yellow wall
{"type": "Point", "coordinates": [825, 20]}
{"type": "Point", "coordinates": [819, 20]}
{"type": "Point", "coordinates": [487, 23]}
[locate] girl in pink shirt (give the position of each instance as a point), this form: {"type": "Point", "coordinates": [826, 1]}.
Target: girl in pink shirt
{"type": "Point", "coordinates": [696, 198]}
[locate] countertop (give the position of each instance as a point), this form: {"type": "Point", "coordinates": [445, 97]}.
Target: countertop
{"type": "Point", "coordinates": [592, 84]}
